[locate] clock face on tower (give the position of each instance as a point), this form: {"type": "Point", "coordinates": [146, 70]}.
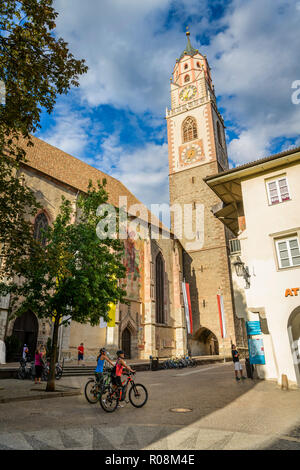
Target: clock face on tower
{"type": "Point", "coordinates": [188, 93]}
{"type": "Point", "coordinates": [191, 153]}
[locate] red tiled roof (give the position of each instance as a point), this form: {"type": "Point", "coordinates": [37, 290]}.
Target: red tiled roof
{"type": "Point", "coordinates": [63, 167]}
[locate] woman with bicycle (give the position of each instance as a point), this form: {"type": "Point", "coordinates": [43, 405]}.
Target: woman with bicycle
{"type": "Point", "coordinates": [110, 399]}
{"type": "Point", "coordinates": [118, 370]}
{"type": "Point", "coordinates": [102, 357]}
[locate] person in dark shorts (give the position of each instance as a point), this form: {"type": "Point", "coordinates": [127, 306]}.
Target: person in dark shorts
{"type": "Point", "coordinates": [119, 366]}
{"type": "Point", "coordinates": [80, 350]}
{"type": "Point", "coordinates": [237, 365]}
{"type": "Point", "coordinates": [39, 365]}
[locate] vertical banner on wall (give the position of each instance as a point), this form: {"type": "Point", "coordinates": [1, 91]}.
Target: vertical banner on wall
{"type": "Point", "coordinates": [190, 307]}
{"type": "Point", "coordinates": [112, 317]}
{"type": "Point", "coordinates": [186, 307]}
{"type": "Point", "coordinates": [222, 315]}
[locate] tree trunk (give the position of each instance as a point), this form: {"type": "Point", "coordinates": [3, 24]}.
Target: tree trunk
{"type": "Point", "coordinates": [51, 379]}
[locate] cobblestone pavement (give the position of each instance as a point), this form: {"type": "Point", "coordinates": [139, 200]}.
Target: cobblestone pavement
{"type": "Point", "coordinates": [225, 415]}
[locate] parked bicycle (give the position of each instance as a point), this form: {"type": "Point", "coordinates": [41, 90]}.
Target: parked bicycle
{"type": "Point", "coordinates": [179, 362]}
{"type": "Point", "coordinates": [93, 389]}
{"type": "Point", "coordinates": [110, 398]}
{"type": "Point", "coordinates": [59, 368]}
{"type": "Point", "coordinates": [26, 370]}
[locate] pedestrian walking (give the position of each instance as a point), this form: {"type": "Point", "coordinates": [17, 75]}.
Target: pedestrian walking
{"type": "Point", "coordinates": [25, 352]}
{"type": "Point", "coordinates": [80, 353]}
{"type": "Point", "coordinates": [237, 365]}
{"type": "Point", "coordinates": [39, 364]}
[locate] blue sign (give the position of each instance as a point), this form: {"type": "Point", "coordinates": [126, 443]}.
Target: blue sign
{"type": "Point", "coordinates": [253, 328]}
{"type": "Point", "coordinates": [256, 351]}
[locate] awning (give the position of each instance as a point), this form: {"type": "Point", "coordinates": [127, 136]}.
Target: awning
{"type": "Point", "coordinates": [229, 216]}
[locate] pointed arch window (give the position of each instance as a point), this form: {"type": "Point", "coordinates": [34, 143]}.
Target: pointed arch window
{"type": "Point", "coordinates": [159, 289]}
{"type": "Point", "coordinates": [40, 226]}
{"type": "Point", "coordinates": [219, 133]}
{"type": "Point", "coordinates": [189, 129]}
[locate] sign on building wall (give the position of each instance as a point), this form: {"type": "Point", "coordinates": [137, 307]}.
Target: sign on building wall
{"type": "Point", "coordinates": [253, 328]}
{"type": "Point", "coordinates": [256, 351]}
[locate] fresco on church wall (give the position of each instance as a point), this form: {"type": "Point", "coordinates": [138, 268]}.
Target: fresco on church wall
{"type": "Point", "coordinates": [134, 261]}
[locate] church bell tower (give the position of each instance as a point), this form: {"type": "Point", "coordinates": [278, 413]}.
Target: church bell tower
{"type": "Point", "coordinates": [197, 149]}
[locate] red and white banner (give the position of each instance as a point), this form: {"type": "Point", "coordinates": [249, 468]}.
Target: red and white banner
{"type": "Point", "coordinates": [187, 307]}
{"type": "Point", "coordinates": [222, 315]}
{"type": "Point", "coordinates": [190, 307]}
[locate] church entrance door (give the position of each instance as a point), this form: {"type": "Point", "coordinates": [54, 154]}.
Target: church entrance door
{"type": "Point", "coordinates": [26, 330]}
{"type": "Point", "coordinates": [126, 343]}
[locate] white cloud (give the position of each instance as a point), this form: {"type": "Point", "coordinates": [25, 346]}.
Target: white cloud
{"type": "Point", "coordinates": [131, 55]}
{"type": "Point", "coordinates": [258, 63]}
{"type": "Point", "coordinates": [70, 130]}
{"type": "Point", "coordinates": [144, 170]}
{"type": "Point", "coordinates": [129, 65]}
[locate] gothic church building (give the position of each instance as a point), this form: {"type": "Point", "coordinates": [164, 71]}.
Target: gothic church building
{"type": "Point", "coordinates": [154, 320]}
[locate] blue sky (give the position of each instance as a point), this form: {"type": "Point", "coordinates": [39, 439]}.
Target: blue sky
{"type": "Point", "coordinates": [115, 120]}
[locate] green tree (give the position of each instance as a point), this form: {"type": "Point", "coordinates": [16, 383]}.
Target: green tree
{"type": "Point", "coordinates": [74, 274]}
{"type": "Point", "coordinates": [35, 67]}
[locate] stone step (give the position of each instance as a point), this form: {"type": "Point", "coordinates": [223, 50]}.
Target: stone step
{"type": "Point", "coordinates": [8, 371]}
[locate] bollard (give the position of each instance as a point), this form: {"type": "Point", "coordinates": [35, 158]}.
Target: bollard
{"type": "Point", "coordinates": [284, 382]}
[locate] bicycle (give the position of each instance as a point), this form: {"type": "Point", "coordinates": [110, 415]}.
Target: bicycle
{"type": "Point", "coordinates": [25, 372]}
{"type": "Point", "coordinates": [110, 398]}
{"type": "Point", "coordinates": [58, 371]}
{"type": "Point", "coordinates": [93, 389]}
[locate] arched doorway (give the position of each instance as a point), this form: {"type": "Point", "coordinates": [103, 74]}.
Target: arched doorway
{"type": "Point", "coordinates": [126, 343]}
{"type": "Point", "coordinates": [294, 336]}
{"type": "Point", "coordinates": [204, 343]}
{"type": "Point", "coordinates": [26, 330]}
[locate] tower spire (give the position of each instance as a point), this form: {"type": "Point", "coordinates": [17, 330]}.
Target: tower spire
{"type": "Point", "coordinates": [189, 50]}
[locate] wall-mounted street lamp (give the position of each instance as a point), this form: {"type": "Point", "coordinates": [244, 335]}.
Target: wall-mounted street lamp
{"type": "Point", "coordinates": [239, 267]}
{"type": "Point", "coordinates": [242, 271]}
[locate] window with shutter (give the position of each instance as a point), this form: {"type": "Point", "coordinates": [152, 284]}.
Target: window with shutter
{"type": "Point", "coordinates": [278, 191]}
{"type": "Point", "coordinates": [288, 252]}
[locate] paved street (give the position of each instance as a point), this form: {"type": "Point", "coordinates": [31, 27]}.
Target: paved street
{"type": "Point", "coordinates": [225, 415]}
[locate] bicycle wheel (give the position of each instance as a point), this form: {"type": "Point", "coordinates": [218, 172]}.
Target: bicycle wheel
{"type": "Point", "coordinates": [21, 374]}
{"type": "Point", "coordinates": [45, 375]}
{"type": "Point", "coordinates": [109, 400]}
{"type": "Point", "coordinates": [91, 391]}
{"type": "Point", "coordinates": [138, 395]}
{"type": "Point", "coordinates": [58, 373]}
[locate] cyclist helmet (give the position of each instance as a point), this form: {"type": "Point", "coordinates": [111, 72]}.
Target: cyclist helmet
{"type": "Point", "coordinates": [102, 350]}
{"type": "Point", "coordinates": [120, 352]}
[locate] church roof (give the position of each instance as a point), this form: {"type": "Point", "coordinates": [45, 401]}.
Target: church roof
{"type": "Point", "coordinates": [189, 50]}
{"type": "Point", "coordinates": [75, 173]}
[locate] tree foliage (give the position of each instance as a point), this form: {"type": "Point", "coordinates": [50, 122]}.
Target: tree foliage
{"type": "Point", "coordinates": [35, 67]}
{"type": "Point", "coordinates": [74, 275]}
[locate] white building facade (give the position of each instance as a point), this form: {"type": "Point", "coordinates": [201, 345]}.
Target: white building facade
{"type": "Point", "coordinates": [261, 202]}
